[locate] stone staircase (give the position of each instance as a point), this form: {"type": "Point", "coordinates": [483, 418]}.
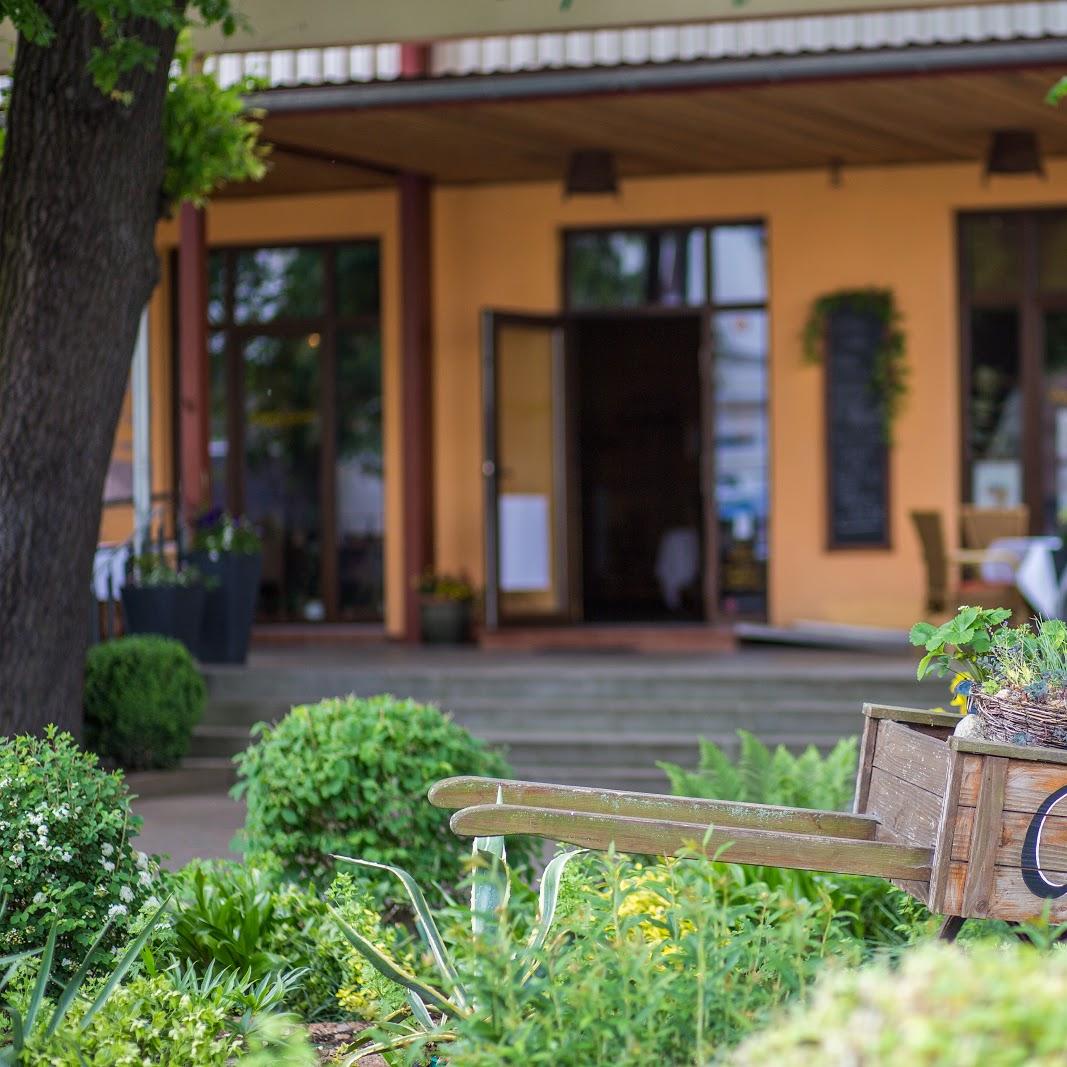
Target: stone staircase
{"type": "Point", "coordinates": [577, 718]}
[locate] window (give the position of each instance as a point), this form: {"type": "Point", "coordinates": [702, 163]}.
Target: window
{"type": "Point", "coordinates": [719, 271]}
{"type": "Point", "coordinates": [296, 421]}
{"type": "Point", "coordinates": [1014, 328]}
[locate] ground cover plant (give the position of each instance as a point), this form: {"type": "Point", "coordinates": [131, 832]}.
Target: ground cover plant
{"type": "Point", "coordinates": [249, 919]}
{"type": "Point", "coordinates": [874, 910]}
{"type": "Point", "coordinates": [66, 833]}
{"type": "Point", "coordinates": [350, 776]}
{"type": "Point", "coordinates": [623, 963]}
{"type": "Point", "coordinates": [143, 696]}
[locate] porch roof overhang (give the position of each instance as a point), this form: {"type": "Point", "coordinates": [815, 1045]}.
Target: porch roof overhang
{"type": "Point", "coordinates": [859, 108]}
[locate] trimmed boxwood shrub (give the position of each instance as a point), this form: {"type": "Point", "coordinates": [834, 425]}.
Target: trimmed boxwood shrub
{"type": "Point", "coordinates": [985, 1005]}
{"type": "Point", "coordinates": [350, 776]}
{"type": "Point", "coordinates": [143, 696]}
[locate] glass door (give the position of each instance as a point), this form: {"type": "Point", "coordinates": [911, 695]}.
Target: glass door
{"type": "Point", "coordinates": [530, 564]}
{"type": "Point", "coordinates": [282, 474]}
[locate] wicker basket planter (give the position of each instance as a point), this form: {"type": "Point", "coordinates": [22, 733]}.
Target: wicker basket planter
{"type": "Point", "coordinates": [1013, 718]}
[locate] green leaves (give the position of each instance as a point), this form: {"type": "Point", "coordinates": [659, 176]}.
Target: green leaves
{"type": "Point", "coordinates": [350, 776]}
{"type": "Point", "coordinates": [958, 644]}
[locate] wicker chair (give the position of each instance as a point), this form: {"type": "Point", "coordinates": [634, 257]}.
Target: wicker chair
{"type": "Point", "coordinates": [944, 591]}
{"type": "Point", "coordinates": [982, 526]}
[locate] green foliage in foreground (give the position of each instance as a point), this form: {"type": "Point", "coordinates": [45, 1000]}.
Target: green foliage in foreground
{"type": "Point", "coordinates": [872, 909]}
{"type": "Point", "coordinates": [67, 861]}
{"type": "Point", "coordinates": [350, 776]}
{"type": "Point", "coordinates": [143, 696]}
{"type": "Point", "coordinates": [249, 919]}
{"type": "Point", "coordinates": [650, 965]}
{"type": "Point", "coordinates": [415, 1027]}
{"type": "Point", "coordinates": [986, 1006]}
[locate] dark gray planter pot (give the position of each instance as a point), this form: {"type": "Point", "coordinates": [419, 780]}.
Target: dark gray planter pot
{"type": "Point", "coordinates": [169, 610]}
{"type": "Point", "coordinates": [445, 622]}
{"type": "Point", "coordinates": [230, 604]}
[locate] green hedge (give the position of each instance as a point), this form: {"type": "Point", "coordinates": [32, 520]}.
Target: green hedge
{"type": "Point", "coordinates": [350, 776]}
{"type": "Point", "coordinates": [143, 696]}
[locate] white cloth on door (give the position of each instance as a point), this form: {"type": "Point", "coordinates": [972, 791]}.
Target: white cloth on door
{"type": "Point", "coordinates": [677, 563]}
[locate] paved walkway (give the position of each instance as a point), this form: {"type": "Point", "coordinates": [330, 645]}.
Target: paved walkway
{"type": "Point", "coordinates": [189, 826]}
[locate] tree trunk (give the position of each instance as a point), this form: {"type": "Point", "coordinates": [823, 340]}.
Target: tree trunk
{"type": "Point", "coordinates": [79, 199]}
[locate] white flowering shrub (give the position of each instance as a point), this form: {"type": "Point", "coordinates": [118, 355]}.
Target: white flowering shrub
{"type": "Point", "coordinates": [65, 850]}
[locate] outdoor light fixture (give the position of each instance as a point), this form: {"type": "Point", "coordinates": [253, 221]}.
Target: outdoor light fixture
{"type": "Point", "coordinates": [590, 171]}
{"type": "Point", "coordinates": [1013, 152]}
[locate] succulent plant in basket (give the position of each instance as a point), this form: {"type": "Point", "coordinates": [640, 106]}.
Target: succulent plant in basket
{"type": "Point", "coordinates": [1015, 677]}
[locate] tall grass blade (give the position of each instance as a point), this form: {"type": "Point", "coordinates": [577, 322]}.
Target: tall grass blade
{"type": "Point", "coordinates": [490, 886]}
{"type": "Point", "coordinates": [551, 881]}
{"type": "Point", "coordinates": [394, 972]}
{"type": "Point", "coordinates": [37, 996]}
{"type": "Point", "coordinates": [424, 921]}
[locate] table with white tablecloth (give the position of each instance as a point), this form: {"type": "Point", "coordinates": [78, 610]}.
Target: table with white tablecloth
{"type": "Point", "coordinates": [1029, 563]}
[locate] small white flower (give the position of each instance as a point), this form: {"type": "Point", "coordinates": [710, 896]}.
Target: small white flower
{"type": "Point", "coordinates": [116, 909]}
{"type": "Point", "coordinates": [142, 859]}
{"type": "Point", "coordinates": [107, 848]}
{"type": "Point", "coordinates": [38, 898]}
{"type": "Point", "coordinates": [144, 878]}
{"type": "Point", "coordinates": [107, 865]}
{"type": "Point", "coordinates": [126, 894]}
{"type": "Point", "coordinates": [68, 963]}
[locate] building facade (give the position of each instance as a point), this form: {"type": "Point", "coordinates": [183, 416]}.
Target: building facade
{"type": "Point", "coordinates": [421, 349]}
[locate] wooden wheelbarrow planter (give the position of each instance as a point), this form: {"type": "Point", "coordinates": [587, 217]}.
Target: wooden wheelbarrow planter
{"type": "Point", "coordinates": [970, 828]}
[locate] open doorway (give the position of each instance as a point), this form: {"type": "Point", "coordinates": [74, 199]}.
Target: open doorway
{"type": "Point", "coordinates": [638, 422]}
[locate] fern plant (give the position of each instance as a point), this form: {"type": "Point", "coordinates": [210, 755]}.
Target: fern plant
{"type": "Point", "coordinates": [760, 776]}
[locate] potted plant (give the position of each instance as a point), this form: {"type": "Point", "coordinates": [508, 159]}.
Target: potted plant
{"type": "Point", "coordinates": [445, 608]}
{"type": "Point", "coordinates": [1014, 678]}
{"type": "Point", "coordinates": [229, 551]}
{"type": "Point", "coordinates": [161, 598]}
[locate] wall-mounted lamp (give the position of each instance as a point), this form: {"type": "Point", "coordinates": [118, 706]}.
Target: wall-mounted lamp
{"type": "Point", "coordinates": [1013, 152]}
{"type": "Point", "coordinates": [591, 171]}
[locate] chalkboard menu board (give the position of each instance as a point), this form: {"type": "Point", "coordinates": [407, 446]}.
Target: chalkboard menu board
{"type": "Point", "coordinates": [857, 454]}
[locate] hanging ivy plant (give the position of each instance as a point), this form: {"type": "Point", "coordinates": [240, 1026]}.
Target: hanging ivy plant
{"type": "Point", "coordinates": [889, 373]}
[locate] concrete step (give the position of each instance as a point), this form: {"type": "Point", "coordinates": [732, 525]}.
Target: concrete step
{"type": "Point", "coordinates": [283, 688]}
{"type": "Point", "coordinates": [525, 748]}
{"type": "Point", "coordinates": [624, 716]}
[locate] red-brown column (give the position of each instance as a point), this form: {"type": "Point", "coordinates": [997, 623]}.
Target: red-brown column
{"type": "Point", "coordinates": [417, 475]}
{"type": "Point", "coordinates": [414, 193]}
{"type": "Point", "coordinates": [195, 468]}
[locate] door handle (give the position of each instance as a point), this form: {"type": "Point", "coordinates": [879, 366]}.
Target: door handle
{"type": "Point", "coordinates": [488, 468]}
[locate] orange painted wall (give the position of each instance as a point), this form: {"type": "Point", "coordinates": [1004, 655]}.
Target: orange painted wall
{"type": "Point", "coordinates": [500, 247]}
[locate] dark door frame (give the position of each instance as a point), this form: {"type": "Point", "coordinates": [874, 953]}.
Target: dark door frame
{"type": "Point", "coordinates": [565, 322]}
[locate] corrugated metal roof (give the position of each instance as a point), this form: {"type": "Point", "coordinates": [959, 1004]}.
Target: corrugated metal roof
{"type": "Point", "coordinates": [733, 40]}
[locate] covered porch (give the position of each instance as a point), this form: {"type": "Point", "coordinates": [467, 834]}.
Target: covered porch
{"type": "Point", "coordinates": [856, 156]}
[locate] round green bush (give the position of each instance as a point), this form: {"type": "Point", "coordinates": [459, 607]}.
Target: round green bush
{"type": "Point", "coordinates": [143, 696]}
{"type": "Point", "coordinates": [984, 1006]}
{"type": "Point", "coordinates": [65, 852]}
{"type": "Point", "coordinates": [350, 776]}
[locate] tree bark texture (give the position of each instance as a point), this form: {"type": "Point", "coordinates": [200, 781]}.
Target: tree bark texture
{"type": "Point", "coordinates": [79, 200]}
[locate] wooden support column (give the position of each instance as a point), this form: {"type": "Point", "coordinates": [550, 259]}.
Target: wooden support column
{"type": "Point", "coordinates": [414, 194]}
{"type": "Point", "coordinates": [193, 370]}
{"type": "Point", "coordinates": [417, 474]}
